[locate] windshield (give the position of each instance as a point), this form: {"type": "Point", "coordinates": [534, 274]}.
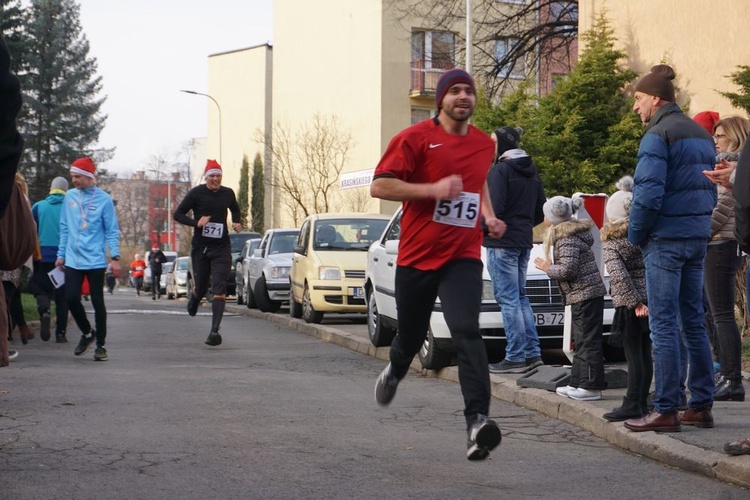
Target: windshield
{"type": "Point", "coordinates": [239, 239]}
{"type": "Point", "coordinates": [182, 265]}
{"type": "Point", "coordinates": [348, 234]}
{"type": "Point", "coordinates": [283, 243]}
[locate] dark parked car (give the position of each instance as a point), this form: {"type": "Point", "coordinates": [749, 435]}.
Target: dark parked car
{"type": "Point", "coordinates": [237, 240]}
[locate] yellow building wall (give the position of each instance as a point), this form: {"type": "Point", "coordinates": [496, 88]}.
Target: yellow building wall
{"type": "Point", "coordinates": [240, 82]}
{"type": "Point", "coordinates": [328, 60]}
{"type": "Point", "coordinates": [703, 41]}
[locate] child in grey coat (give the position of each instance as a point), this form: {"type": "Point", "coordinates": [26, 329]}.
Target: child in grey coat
{"type": "Point", "coordinates": [574, 267]}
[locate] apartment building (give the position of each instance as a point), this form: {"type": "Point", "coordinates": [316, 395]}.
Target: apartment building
{"type": "Point", "coordinates": [365, 63]}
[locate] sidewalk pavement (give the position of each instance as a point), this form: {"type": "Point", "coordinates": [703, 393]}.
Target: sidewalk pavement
{"type": "Point", "coordinates": [692, 449]}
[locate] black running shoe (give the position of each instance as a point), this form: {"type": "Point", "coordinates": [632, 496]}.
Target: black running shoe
{"type": "Point", "coordinates": [100, 354]}
{"type": "Point", "coordinates": [60, 338]}
{"type": "Point", "coordinates": [214, 338]}
{"type": "Point", "coordinates": [385, 386]}
{"type": "Point", "coordinates": [192, 305]}
{"type": "Point", "coordinates": [484, 436]}
{"type": "Point", "coordinates": [44, 321]}
{"type": "Point", "coordinates": [84, 343]}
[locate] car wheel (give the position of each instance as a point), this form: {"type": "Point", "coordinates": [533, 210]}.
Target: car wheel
{"type": "Point", "coordinates": [190, 287]}
{"type": "Point", "coordinates": [432, 356]}
{"type": "Point", "coordinates": [250, 296]}
{"type": "Point", "coordinates": [265, 304]}
{"type": "Point", "coordinates": [309, 314]}
{"type": "Point", "coordinates": [380, 335]}
{"type": "Point", "coordinates": [295, 308]}
{"type": "Point", "coordinates": [240, 294]}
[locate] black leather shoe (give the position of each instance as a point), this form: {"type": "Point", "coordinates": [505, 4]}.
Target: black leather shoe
{"type": "Point", "coordinates": [729, 390]}
{"type": "Point", "coordinates": [629, 409]}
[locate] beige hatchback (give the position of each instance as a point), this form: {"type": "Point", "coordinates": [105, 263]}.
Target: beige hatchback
{"type": "Point", "coordinates": [329, 261]}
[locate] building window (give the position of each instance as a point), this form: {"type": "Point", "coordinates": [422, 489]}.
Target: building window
{"type": "Point", "coordinates": [432, 53]}
{"type": "Point", "coordinates": [421, 114]}
{"type": "Point", "coordinates": [502, 49]}
{"type": "Point", "coordinates": [566, 12]}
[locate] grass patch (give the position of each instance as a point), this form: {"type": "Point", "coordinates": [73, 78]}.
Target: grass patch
{"type": "Point", "coordinates": [30, 312]}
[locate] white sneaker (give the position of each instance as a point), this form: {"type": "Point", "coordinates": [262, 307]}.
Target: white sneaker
{"type": "Point", "coordinates": [563, 391]}
{"type": "Point", "coordinates": [12, 354]}
{"type": "Point", "coordinates": [584, 394]}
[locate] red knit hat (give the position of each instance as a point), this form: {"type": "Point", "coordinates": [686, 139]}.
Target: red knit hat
{"type": "Point", "coordinates": [707, 120]}
{"type": "Point", "coordinates": [84, 166]}
{"type": "Point", "coordinates": [212, 167]}
{"type": "Point", "coordinates": [449, 79]}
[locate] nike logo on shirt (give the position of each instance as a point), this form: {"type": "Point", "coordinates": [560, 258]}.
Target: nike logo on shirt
{"type": "Point", "coordinates": [433, 146]}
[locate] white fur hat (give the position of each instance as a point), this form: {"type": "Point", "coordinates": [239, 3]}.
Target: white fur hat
{"type": "Point", "coordinates": [618, 205]}
{"type": "Point", "coordinates": [561, 209]}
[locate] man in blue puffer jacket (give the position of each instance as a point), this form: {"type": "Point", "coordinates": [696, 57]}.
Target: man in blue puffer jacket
{"type": "Point", "coordinates": [670, 219]}
{"type": "Point", "coordinates": [47, 217]}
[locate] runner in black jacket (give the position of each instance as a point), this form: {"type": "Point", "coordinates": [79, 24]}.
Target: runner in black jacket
{"type": "Point", "coordinates": [211, 252]}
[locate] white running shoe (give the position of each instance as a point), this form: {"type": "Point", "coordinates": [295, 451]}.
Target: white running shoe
{"type": "Point", "coordinates": [563, 391]}
{"type": "Point", "coordinates": [584, 395]}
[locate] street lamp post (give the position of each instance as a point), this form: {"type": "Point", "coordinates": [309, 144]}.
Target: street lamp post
{"type": "Point", "coordinates": [217, 107]}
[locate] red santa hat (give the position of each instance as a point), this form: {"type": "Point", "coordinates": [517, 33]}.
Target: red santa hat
{"type": "Point", "coordinates": [84, 166]}
{"type": "Point", "coordinates": [212, 168]}
{"type": "Point", "coordinates": [155, 247]}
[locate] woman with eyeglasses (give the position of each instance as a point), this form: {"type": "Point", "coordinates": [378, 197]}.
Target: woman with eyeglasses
{"type": "Point", "coordinates": [723, 259]}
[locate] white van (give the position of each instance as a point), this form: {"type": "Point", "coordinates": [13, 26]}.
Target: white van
{"type": "Point", "coordinates": [170, 255]}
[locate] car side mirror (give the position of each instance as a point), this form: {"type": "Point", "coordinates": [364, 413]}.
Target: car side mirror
{"type": "Point", "coordinates": [391, 247]}
{"type": "Point", "coordinates": [299, 249]}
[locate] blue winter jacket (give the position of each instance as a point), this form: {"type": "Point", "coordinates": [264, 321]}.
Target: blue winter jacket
{"type": "Point", "coordinates": [88, 223]}
{"type": "Point", "coordinates": [47, 217]}
{"type": "Point", "coordinates": [672, 199]}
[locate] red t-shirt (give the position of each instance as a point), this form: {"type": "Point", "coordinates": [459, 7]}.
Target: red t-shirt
{"type": "Point", "coordinates": [138, 266]}
{"type": "Point", "coordinates": [425, 153]}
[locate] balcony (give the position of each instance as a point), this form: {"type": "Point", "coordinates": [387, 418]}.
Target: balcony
{"type": "Point", "coordinates": [425, 76]}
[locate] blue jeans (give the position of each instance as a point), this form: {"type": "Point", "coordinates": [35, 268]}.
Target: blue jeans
{"type": "Point", "coordinates": [674, 284]}
{"type": "Point", "coordinates": [507, 268]}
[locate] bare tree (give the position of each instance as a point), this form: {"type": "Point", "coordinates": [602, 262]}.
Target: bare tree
{"type": "Point", "coordinates": [307, 164]}
{"type": "Point", "coordinates": [535, 36]}
{"type": "Point", "coordinates": [357, 200]}
{"type": "Point", "coordinates": [131, 196]}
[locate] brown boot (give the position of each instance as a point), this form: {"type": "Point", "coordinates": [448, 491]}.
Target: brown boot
{"type": "Point", "coordinates": [26, 333]}
{"type": "Point", "coordinates": [655, 421]}
{"type": "Point", "coordinates": [700, 417]}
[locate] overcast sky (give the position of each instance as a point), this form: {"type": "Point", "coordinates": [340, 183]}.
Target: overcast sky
{"type": "Point", "coordinates": [147, 50]}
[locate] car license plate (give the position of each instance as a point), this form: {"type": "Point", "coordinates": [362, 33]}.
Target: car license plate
{"type": "Point", "coordinates": [358, 292]}
{"type": "Point", "coordinates": [550, 319]}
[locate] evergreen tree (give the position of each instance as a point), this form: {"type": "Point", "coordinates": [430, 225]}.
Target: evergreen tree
{"type": "Point", "coordinates": [257, 201]}
{"type": "Point", "coordinates": [583, 136]}
{"type": "Point", "coordinates": [244, 189]}
{"type": "Point", "coordinates": [62, 119]}
{"type": "Point", "coordinates": [742, 79]}
{"type": "Point", "coordinates": [11, 25]}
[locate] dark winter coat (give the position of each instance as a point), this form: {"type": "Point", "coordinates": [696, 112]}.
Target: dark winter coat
{"type": "Point", "coordinates": [574, 266]}
{"type": "Point", "coordinates": [517, 198]}
{"type": "Point", "coordinates": [741, 192]}
{"type": "Point", "coordinates": [624, 261]}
